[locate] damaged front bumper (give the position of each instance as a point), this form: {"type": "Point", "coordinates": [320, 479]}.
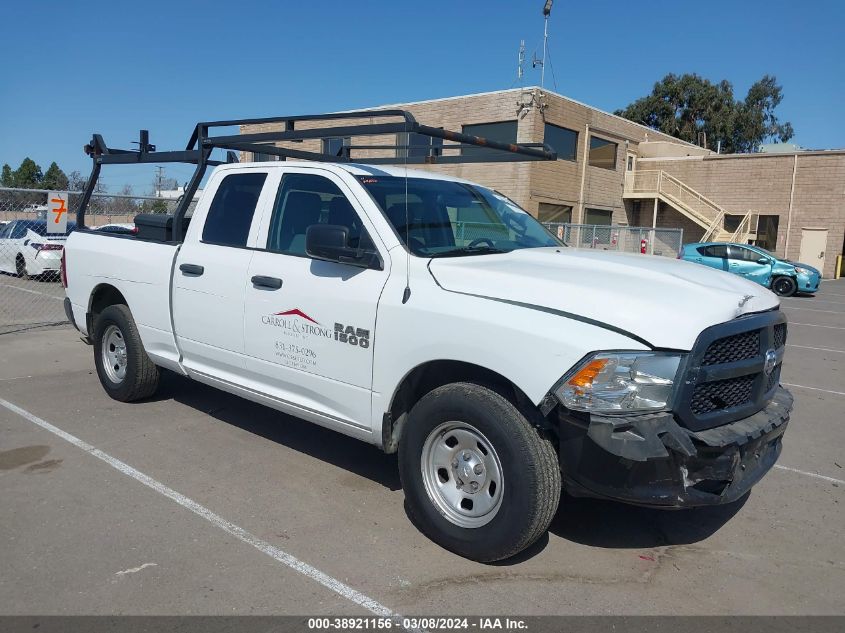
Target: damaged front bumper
{"type": "Point", "coordinates": [651, 460]}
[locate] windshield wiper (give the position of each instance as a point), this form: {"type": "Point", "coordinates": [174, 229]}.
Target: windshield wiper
{"type": "Point", "coordinates": [469, 250]}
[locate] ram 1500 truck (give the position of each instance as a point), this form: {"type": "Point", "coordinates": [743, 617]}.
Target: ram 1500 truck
{"type": "Point", "coordinates": [432, 316]}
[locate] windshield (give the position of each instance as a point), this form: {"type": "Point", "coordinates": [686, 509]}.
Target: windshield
{"type": "Point", "coordinates": [446, 219]}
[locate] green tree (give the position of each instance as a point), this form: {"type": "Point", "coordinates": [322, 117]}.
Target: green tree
{"type": "Point", "coordinates": [7, 179]}
{"type": "Point", "coordinates": [54, 178]}
{"type": "Point", "coordinates": [698, 111]}
{"type": "Point", "coordinates": [28, 175]}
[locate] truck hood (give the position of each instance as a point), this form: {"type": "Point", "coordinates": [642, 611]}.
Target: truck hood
{"type": "Point", "coordinates": [665, 302]}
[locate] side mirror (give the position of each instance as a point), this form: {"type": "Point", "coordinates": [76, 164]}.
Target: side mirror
{"type": "Point", "coordinates": [764, 260]}
{"type": "Point", "coordinates": [330, 242]}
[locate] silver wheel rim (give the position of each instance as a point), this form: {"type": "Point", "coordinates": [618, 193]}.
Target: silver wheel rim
{"type": "Point", "coordinates": [114, 353]}
{"type": "Point", "coordinates": [462, 474]}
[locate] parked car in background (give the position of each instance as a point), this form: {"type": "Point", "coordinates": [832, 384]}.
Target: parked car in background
{"type": "Point", "coordinates": [756, 264]}
{"type": "Point", "coordinates": [27, 250]}
{"type": "Point", "coordinates": [124, 228]}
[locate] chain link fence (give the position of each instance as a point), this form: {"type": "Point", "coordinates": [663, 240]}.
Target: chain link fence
{"type": "Point", "coordinates": [30, 292]}
{"type": "Point", "coordinates": [625, 239]}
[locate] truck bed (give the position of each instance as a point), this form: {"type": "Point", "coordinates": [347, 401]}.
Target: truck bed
{"type": "Point", "coordinates": [140, 270]}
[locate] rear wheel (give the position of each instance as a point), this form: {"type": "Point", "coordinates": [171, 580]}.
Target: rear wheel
{"type": "Point", "coordinates": [479, 479]}
{"type": "Point", "coordinates": [124, 369]}
{"type": "Point", "coordinates": [784, 286]}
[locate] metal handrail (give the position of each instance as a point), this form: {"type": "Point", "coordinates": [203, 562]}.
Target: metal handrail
{"type": "Point", "coordinates": [655, 181]}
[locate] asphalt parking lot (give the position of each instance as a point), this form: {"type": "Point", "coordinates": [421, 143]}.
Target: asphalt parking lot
{"type": "Point", "coordinates": [28, 302]}
{"type": "Point", "coordinates": [198, 502]}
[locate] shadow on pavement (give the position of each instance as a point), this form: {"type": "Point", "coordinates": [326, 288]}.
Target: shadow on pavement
{"type": "Point", "coordinates": [610, 524]}
{"type": "Point", "coordinates": [591, 522]}
{"type": "Point", "coordinates": [345, 452]}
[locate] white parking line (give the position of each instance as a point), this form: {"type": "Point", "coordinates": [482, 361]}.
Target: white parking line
{"type": "Point", "coordinates": [836, 393]}
{"type": "Point", "coordinates": [839, 303]}
{"type": "Point", "coordinates": [820, 349]}
{"type": "Point", "coordinates": [809, 474]}
{"type": "Point", "coordinates": [812, 310]}
{"type": "Point", "coordinates": [230, 528]}
{"type": "Point", "coordinates": [32, 292]}
{"type": "Point", "coordinates": [829, 327]}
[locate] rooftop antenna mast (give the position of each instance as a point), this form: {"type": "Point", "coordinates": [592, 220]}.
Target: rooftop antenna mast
{"type": "Point", "coordinates": [547, 10]}
{"type": "Point", "coordinates": [519, 71]}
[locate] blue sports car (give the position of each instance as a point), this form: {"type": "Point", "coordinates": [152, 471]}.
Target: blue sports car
{"type": "Point", "coordinates": [782, 276]}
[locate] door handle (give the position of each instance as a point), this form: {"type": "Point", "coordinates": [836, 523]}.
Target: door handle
{"type": "Point", "coordinates": [193, 270]}
{"type": "Point", "coordinates": [268, 283]}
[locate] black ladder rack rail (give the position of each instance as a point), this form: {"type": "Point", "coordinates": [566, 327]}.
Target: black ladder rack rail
{"type": "Point", "coordinates": [200, 145]}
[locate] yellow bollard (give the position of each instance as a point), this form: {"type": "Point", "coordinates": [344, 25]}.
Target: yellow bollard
{"type": "Point", "coordinates": [838, 272]}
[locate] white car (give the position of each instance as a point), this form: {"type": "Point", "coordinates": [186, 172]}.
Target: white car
{"type": "Point", "coordinates": [27, 250]}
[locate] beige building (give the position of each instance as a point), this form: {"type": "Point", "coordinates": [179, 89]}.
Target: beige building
{"type": "Point", "coordinates": [612, 171]}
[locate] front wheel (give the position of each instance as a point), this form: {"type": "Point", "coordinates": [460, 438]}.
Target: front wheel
{"type": "Point", "coordinates": [784, 286]}
{"type": "Point", "coordinates": [124, 369]}
{"type": "Point", "coordinates": [478, 478]}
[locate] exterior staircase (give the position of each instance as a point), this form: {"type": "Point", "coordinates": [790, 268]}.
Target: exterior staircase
{"type": "Point", "coordinates": [710, 216]}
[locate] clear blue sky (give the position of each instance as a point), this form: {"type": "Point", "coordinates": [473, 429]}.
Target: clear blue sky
{"type": "Point", "coordinates": [70, 69]}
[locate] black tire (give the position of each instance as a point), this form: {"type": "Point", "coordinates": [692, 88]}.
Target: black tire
{"type": "Point", "coordinates": [141, 374]}
{"type": "Point", "coordinates": [20, 267]}
{"type": "Point", "coordinates": [531, 474]}
{"type": "Point", "coordinates": [784, 286]}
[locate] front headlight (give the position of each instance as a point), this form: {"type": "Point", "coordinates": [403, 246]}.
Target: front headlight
{"type": "Point", "coordinates": [801, 271]}
{"type": "Point", "coordinates": [618, 382]}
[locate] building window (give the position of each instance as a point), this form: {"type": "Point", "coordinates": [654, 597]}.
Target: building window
{"type": "Point", "coordinates": [561, 140]}
{"type": "Point", "coordinates": [767, 232]}
{"type": "Point", "coordinates": [602, 153]}
{"type": "Point", "coordinates": [732, 221]}
{"type": "Point", "coordinates": [555, 213]}
{"type": "Point", "coordinates": [598, 216]}
{"type": "Point", "coordinates": [333, 145]}
{"type": "Point", "coordinates": [418, 145]}
{"type": "Point", "coordinates": [503, 132]}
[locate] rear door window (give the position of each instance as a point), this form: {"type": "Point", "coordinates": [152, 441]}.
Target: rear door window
{"type": "Point", "coordinates": [716, 250]}
{"type": "Point", "coordinates": [232, 209]}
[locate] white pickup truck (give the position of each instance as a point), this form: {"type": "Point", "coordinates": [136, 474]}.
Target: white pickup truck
{"type": "Point", "coordinates": [432, 316]}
